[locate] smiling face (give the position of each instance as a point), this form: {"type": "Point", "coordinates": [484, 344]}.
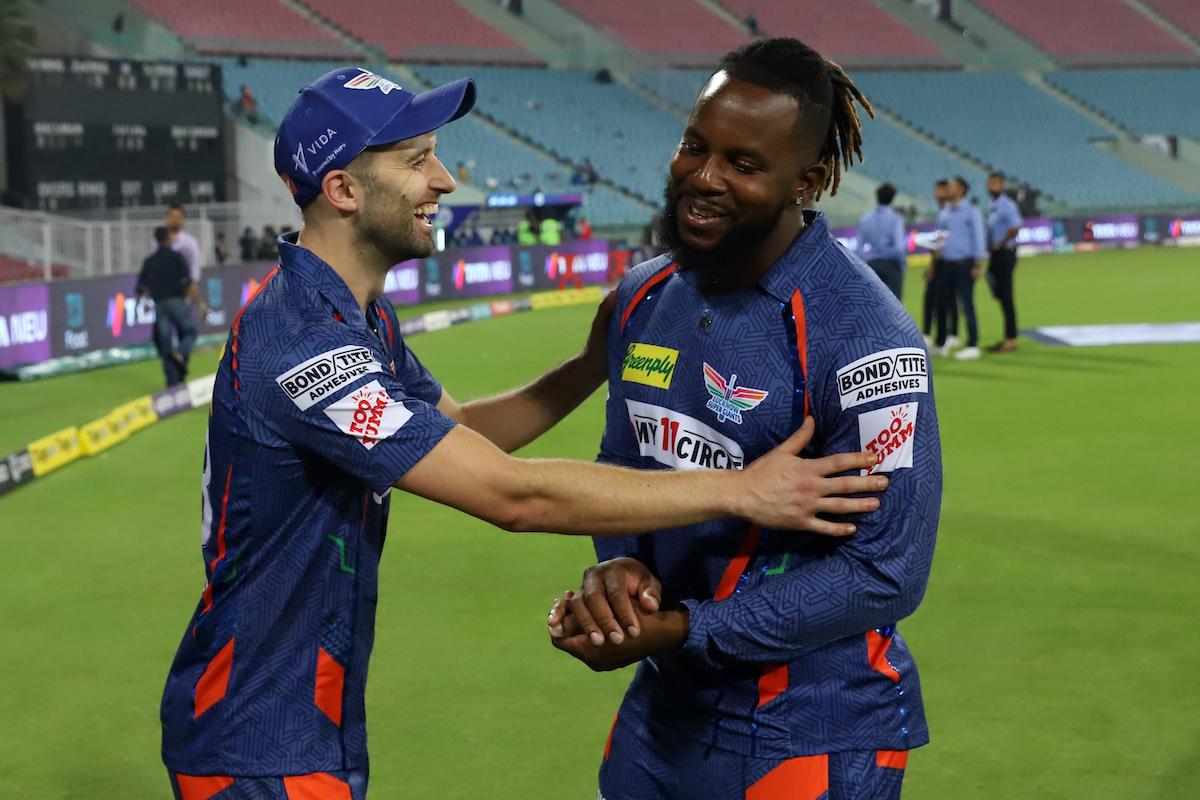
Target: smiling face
{"type": "Point", "coordinates": [401, 186]}
{"type": "Point", "coordinates": [730, 200]}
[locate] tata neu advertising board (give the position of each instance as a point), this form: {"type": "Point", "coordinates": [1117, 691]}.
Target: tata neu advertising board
{"type": "Point", "coordinates": [24, 325]}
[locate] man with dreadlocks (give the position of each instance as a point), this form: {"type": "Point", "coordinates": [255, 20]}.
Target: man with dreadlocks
{"type": "Point", "coordinates": [771, 665]}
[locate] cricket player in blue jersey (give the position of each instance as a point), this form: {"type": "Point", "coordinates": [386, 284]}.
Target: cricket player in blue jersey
{"type": "Point", "coordinates": [320, 409]}
{"type": "Point", "coordinates": [771, 665]}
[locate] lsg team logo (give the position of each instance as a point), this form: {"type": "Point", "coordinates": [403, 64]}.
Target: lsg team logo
{"type": "Point", "coordinates": [368, 414]}
{"type": "Point", "coordinates": [729, 400]}
{"type": "Point", "coordinates": [369, 80]}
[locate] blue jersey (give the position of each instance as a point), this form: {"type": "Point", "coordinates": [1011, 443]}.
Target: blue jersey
{"type": "Point", "coordinates": [317, 410]}
{"type": "Point", "coordinates": [793, 648]}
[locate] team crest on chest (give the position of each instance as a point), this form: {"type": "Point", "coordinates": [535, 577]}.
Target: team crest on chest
{"type": "Point", "coordinates": [729, 400]}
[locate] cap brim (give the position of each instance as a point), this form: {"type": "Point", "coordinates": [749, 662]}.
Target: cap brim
{"type": "Point", "coordinates": [427, 112]}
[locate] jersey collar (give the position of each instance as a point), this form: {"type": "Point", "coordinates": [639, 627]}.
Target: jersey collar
{"type": "Point", "coordinates": [318, 275]}
{"type": "Point", "coordinates": [781, 280]}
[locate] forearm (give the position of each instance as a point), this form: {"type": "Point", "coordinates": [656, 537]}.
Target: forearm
{"type": "Point", "coordinates": [514, 419]}
{"type": "Point", "coordinates": [581, 498]}
{"type": "Point", "coordinates": [193, 294]}
{"type": "Point", "coordinates": [467, 472]}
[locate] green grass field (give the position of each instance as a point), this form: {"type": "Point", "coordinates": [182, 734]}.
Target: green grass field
{"type": "Point", "coordinates": [1055, 643]}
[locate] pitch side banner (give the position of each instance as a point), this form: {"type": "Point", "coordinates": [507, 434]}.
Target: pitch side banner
{"type": "Point", "coordinates": [469, 272]}
{"type": "Point", "coordinates": [570, 265]}
{"type": "Point", "coordinates": [1114, 230]}
{"type": "Point", "coordinates": [95, 313]}
{"type": "Point", "coordinates": [24, 325]}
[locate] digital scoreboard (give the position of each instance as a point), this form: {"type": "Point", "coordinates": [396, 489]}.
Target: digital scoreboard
{"type": "Point", "coordinates": [97, 133]}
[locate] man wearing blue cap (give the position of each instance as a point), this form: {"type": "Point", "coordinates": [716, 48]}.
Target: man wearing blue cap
{"type": "Point", "coordinates": [320, 408]}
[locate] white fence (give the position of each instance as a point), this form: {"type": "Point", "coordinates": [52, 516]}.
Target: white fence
{"type": "Point", "coordinates": [90, 247]}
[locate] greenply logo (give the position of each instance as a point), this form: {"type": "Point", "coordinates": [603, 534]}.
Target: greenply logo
{"type": "Point", "coordinates": [649, 365]}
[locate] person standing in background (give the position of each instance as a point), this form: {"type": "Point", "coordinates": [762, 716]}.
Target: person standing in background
{"type": "Point", "coordinates": [550, 232]}
{"type": "Point", "coordinates": [881, 241]}
{"type": "Point", "coordinates": [220, 250]}
{"type": "Point", "coordinates": [165, 278]}
{"type": "Point", "coordinates": [185, 244]}
{"type": "Point", "coordinates": [1003, 225]}
{"type": "Point", "coordinates": [964, 250]}
{"type": "Point", "coordinates": [526, 230]}
{"type": "Point", "coordinates": [941, 195]}
{"type": "Point", "coordinates": [248, 244]}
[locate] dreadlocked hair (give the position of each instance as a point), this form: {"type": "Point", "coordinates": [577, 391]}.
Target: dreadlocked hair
{"type": "Point", "coordinates": [826, 96]}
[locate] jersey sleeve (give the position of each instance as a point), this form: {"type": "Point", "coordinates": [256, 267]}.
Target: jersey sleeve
{"type": "Point", "coordinates": [342, 404]}
{"type": "Point", "coordinates": [418, 382]}
{"type": "Point", "coordinates": [880, 401]}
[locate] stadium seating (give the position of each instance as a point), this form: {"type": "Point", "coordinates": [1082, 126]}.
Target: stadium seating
{"type": "Point", "coordinates": [1091, 32]}
{"type": "Point", "coordinates": [457, 35]}
{"type": "Point", "coordinates": [21, 258]}
{"type": "Point", "coordinates": [14, 270]}
{"type": "Point", "coordinates": [628, 138]}
{"type": "Point", "coordinates": [1008, 123]}
{"type": "Point", "coordinates": [512, 166]}
{"type": "Point", "coordinates": [251, 27]}
{"type": "Point", "coordinates": [892, 154]}
{"type": "Point", "coordinates": [274, 82]}
{"type": "Point", "coordinates": [1143, 101]}
{"type": "Point", "coordinates": [678, 87]}
{"type": "Point", "coordinates": [864, 34]}
{"type": "Point", "coordinates": [1184, 13]}
{"type": "Point", "coordinates": [675, 32]}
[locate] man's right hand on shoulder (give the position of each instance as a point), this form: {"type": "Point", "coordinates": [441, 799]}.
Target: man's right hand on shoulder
{"type": "Point", "coordinates": [779, 490]}
{"type": "Point", "coordinates": [785, 492]}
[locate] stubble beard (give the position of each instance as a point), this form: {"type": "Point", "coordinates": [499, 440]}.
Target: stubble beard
{"type": "Point", "coordinates": [385, 229]}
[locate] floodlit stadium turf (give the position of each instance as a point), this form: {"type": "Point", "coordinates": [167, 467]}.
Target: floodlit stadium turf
{"type": "Point", "coordinates": [1057, 641]}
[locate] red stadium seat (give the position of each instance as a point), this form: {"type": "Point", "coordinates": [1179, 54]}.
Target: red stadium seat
{"type": "Point", "coordinates": [676, 32]}
{"type": "Point", "coordinates": [865, 34]}
{"type": "Point", "coordinates": [1091, 32]}
{"type": "Point", "coordinates": [246, 27]}
{"type": "Point", "coordinates": [1184, 13]}
{"type": "Point", "coordinates": [458, 36]}
{"type": "Point", "coordinates": [14, 270]}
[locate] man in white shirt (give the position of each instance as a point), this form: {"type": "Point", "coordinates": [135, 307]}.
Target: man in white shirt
{"type": "Point", "coordinates": [185, 244]}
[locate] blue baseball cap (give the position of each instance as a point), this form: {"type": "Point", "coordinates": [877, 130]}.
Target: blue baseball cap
{"type": "Point", "coordinates": [350, 109]}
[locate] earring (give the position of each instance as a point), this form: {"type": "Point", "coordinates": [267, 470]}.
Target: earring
{"type": "Point", "coordinates": [800, 200]}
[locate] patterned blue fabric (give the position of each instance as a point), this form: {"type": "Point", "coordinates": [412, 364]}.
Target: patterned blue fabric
{"type": "Point", "coordinates": [812, 603]}
{"type": "Point", "coordinates": [648, 763]}
{"type": "Point", "coordinates": [317, 410]}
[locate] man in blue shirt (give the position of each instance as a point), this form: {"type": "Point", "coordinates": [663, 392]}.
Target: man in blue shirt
{"type": "Point", "coordinates": [964, 250]}
{"type": "Point", "coordinates": [320, 409]}
{"type": "Point", "coordinates": [882, 243]}
{"type": "Point", "coordinates": [771, 667]}
{"type": "Point", "coordinates": [1003, 225]}
{"type": "Point", "coordinates": [941, 195]}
